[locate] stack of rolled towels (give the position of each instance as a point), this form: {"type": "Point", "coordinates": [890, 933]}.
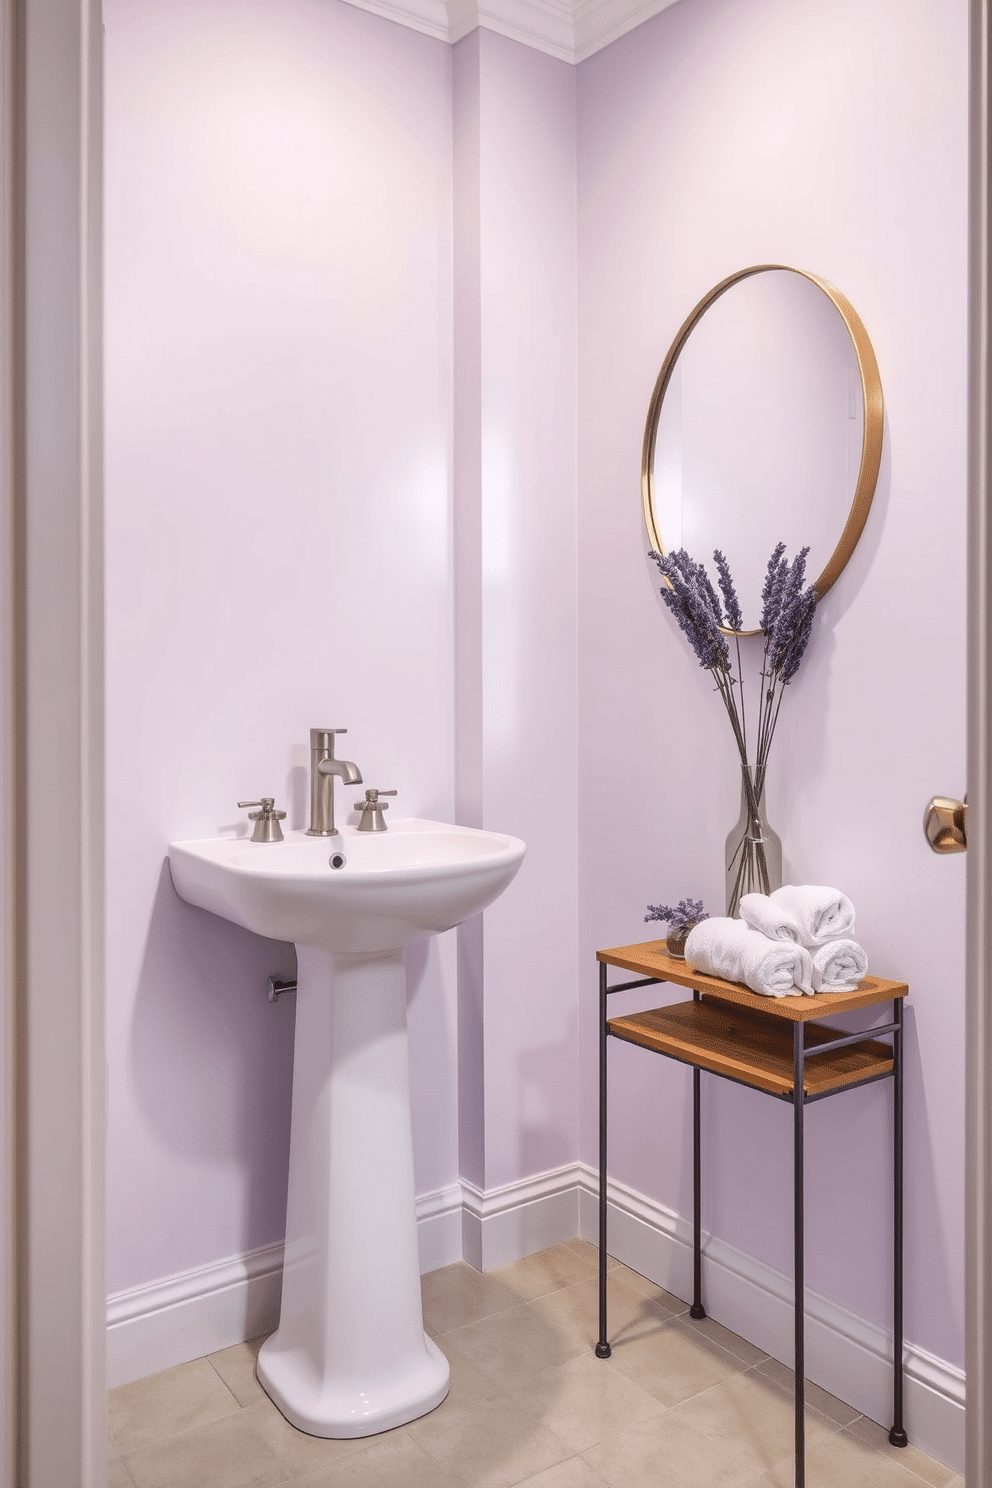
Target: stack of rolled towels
{"type": "Point", "coordinates": [798, 939]}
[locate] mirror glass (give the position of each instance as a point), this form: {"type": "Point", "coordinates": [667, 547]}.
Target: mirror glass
{"type": "Point", "coordinates": [760, 431]}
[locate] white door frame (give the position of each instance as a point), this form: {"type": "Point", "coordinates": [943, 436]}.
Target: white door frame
{"type": "Point", "coordinates": [51, 785]}
{"type": "Point", "coordinates": [8, 1189]}
{"type": "Point", "coordinates": [979, 962]}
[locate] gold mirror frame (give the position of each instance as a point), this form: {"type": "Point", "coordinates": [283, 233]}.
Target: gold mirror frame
{"type": "Point", "coordinates": [871, 444]}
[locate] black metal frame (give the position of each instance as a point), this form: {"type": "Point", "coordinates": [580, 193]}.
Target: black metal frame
{"type": "Point", "coordinates": [800, 1054]}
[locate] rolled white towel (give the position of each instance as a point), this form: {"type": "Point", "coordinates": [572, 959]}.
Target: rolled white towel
{"type": "Point", "coordinates": [838, 966]}
{"type": "Point", "coordinates": [822, 914]}
{"type": "Point", "coordinates": [732, 950]}
{"type": "Point", "coordinates": [773, 920]}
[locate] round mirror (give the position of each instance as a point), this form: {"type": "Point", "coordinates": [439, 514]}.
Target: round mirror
{"type": "Point", "coordinates": [765, 426]}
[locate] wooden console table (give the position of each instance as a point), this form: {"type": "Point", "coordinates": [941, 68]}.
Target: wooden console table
{"type": "Point", "coordinates": [773, 1045]}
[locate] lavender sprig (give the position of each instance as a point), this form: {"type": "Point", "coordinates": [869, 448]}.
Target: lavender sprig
{"type": "Point", "coordinates": [709, 593]}
{"type": "Point", "coordinates": [795, 603]}
{"type": "Point", "coordinates": [684, 913]}
{"type": "Point", "coordinates": [692, 600]}
{"type": "Point", "coordinates": [735, 618]}
{"type": "Point", "coordinates": [794, 650]}
{"type": "Point", "coordinates": [772, 590]}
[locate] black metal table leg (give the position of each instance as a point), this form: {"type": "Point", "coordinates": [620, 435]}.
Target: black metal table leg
{"type": "Point", "coordinates": [603, 1349]}
{"type": "Point", "coordinates": [696, 1310]}
{"type": "Point", "coordinates": [897, 1436]}
{"type": "Point", "coordinates": [798, 1093]}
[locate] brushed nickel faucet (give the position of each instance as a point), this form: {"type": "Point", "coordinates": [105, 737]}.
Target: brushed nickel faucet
{"type": "Point", "coordinates": [323, 768]}
{"type": "Point", "coordinates": [267, 828]}
{"type": "Point", "coordinates": [372, 808]}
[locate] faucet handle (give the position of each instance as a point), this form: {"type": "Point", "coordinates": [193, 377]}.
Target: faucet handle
{"type": "Point", "coordinates": [267, 828]}
{"type": "Point", "coordinates": [372, 809]}
{"type": "Point", "coordinates": [323, 738]}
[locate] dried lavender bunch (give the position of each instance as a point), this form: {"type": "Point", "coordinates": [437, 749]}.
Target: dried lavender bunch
{"type": "Point", "coordinates": [692, 599]}
{"type": "Point", "coordinates": [787, 611]}
{"type": "Point", "coordinates": [686, 912]}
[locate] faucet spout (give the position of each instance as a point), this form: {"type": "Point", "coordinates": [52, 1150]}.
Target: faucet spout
{"type": "Point", "coordinates": [344, 769]}
{"type": "Point", "coordinates": [323, 769]}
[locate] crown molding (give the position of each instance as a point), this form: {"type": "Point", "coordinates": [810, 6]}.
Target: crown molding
{"type": "Point", "coordinates": [570, 30]}
{"type": "Point", "coordinates": [598, 22]}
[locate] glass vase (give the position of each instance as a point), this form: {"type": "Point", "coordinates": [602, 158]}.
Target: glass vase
{"type": "Point", "coordinates": [676, 938]}
{"type": "Point", "coordinates": [754, 851]}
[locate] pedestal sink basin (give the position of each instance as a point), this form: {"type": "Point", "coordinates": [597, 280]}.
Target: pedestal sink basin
{"type": "Point", "coordinates": [350, 1356]}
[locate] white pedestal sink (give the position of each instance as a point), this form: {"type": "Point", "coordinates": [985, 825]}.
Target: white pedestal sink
{"type": "Point", "coordinates": [350, 1356]}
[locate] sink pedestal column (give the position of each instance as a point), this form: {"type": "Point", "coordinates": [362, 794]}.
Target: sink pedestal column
{"type": "Point", "coordinates": [350, 1357]}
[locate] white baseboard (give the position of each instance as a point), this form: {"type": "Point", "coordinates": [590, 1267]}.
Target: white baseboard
{"type": "Point", "coordinates": [198, 1312]}
{"type": "Point", "coordinates": [185, 1317]}
{"type": "Point", "coordinates": [505, 1224]}
{"type": "Point", "coordinates": [439, 1228]}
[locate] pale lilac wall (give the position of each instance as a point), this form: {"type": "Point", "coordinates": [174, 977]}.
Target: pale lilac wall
{"type": "Point", "coordinates": [834, 138]}
{"type": "Point", "coordinates": [278, 551]}
{"type": "Point", "coordinates": [284, 537]}
{"type": "Point", "coordinates": [467, 465]}
{"type": "Point", "coordinates": [341, 285]}
{"type": "Point", "coordinates": [516, 519]}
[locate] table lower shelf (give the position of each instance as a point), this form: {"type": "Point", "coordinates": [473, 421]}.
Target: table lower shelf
{"type": "Point", "coordinates": [750, 1047]}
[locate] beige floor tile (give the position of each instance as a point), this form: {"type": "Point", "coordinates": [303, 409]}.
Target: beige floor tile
{"type": "Point", "coordinates": [582, 1247]}
{"type": "Point", "coordinates": [673, 1363]}
{"type": "Point", "coordinates": [639, 1283]}
{"type": "Point", "coordinates": [841, 1461]}
{"type": "Point", "coordinates": [937, 1474]}
{"type": "Point", "coordinates": [668, 1452]}
{"type": "Point", "coordinates": [459, 1294]}
{"type": "Point", "coordinates": [732, 1342]}
{"type": "Point", "coordinates": [574, 1473]}
{"type": "Point", "coordinates": [391, 1461]}
{"type": "Point", "coordinates": [755, 1415]}
{"type": "Point", "coordinates": [176, 1400]}
{"type": "Point", "coordinates": [584, 1400]}
{"type": "Point", "coordinates": [587, 1248]}
{"type": "Point", "coordinates": [300, 1452]}
{"type": "Point", "coordinates": [548, 1271]}
{"type": "Point", "coordinates": [681, 1404]}
{"type": "Point", "coordinates": [514, 1345]}
{"type": "Point", "coordinates": [236, 1367]}
{"type": "Point", "coordinates": [226, 1454]}
{"type": "Point", "coordinates": [575, 1311]}
{"type": "Point", "coordinates": [488, 1446]}
{"type": "Point", "coordinates": [469, 1386]}
{"type": "Point", "coordinates": [827, 1405]}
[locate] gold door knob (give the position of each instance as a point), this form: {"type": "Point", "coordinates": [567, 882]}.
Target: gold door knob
{"type": "Point", "coordinates": [945, 822]}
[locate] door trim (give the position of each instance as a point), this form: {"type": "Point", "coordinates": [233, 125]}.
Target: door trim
{"type": "Point", "coordinates": [53, 739]}
{"type": "Point", "coordinates": [978, 1136]}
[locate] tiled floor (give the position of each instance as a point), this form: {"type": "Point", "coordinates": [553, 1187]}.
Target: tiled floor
{"type": "Point", "coordinates": [679, 1405]}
